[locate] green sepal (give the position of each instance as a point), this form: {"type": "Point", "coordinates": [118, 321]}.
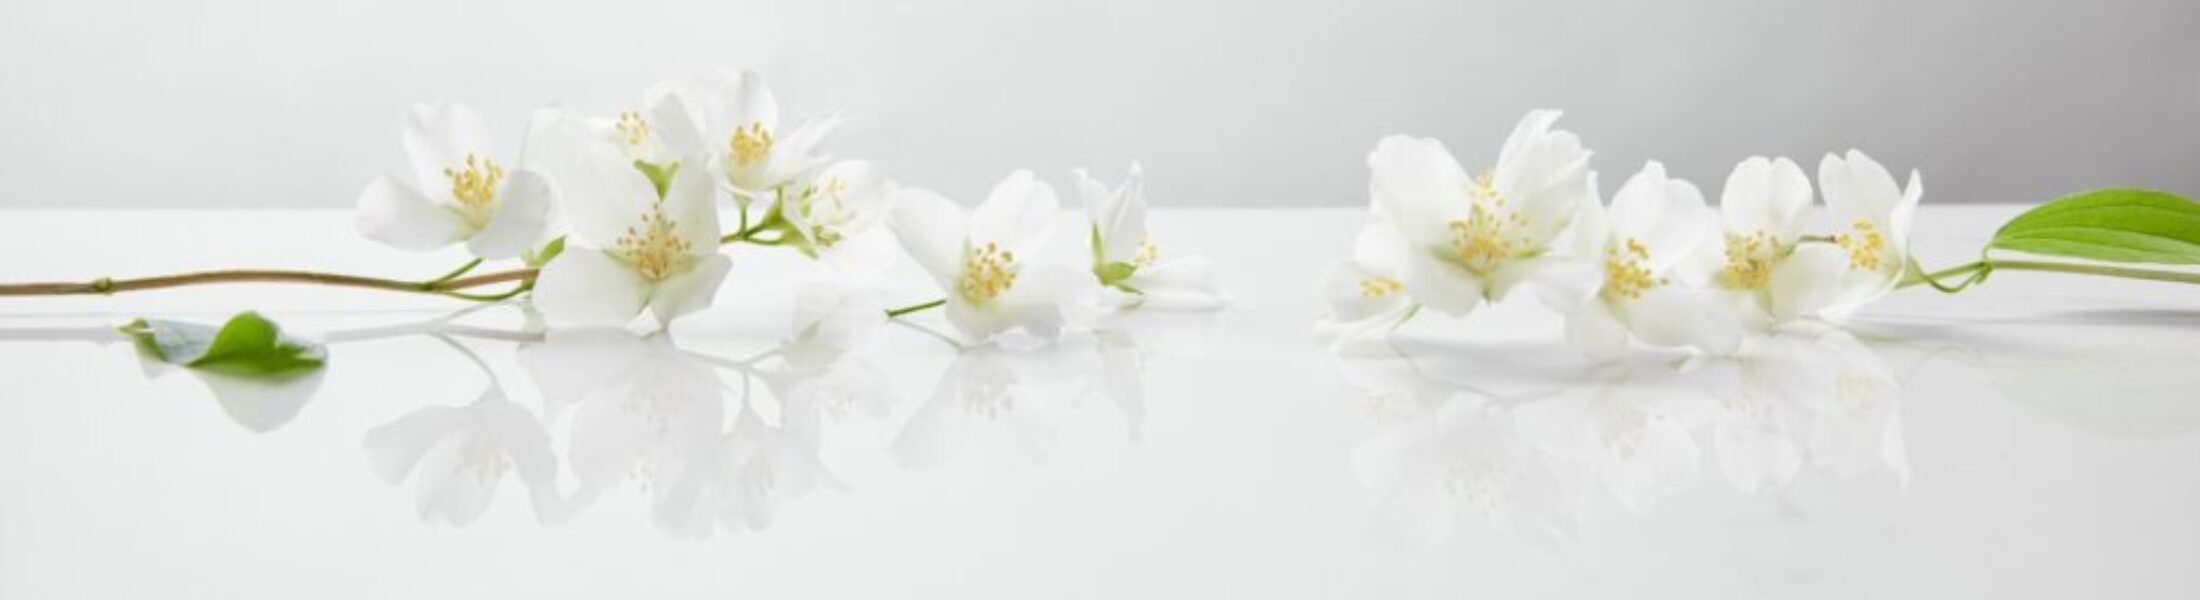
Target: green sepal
{"type": "Point", "coordinates": [539, 257]}
{"type": "Point", "coordinates": [659, 176]}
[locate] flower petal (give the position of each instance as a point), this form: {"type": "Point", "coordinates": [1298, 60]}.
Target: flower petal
{"type": "Point", "coordinates": [1674, 316]}
{"type": "Point", "coordinates": [690, 203]}
{"type": "Point", "coordinates": [584, 286]}
{"type": "Point", "coordinates": [1118, 216]}
{"type": "Point", "coordinates": [1768, 195]}
{"type": "Point", "coordinates": [1667, 216]}
{"type": "Point", "coordinates": [1419, 187]}
{"type": "Point", "coordinates": [1857, 189]}
{"type": "Point", "coordinates": [1018, 215]}
{"type": "Point", "coordinates": [440, 136]}
{"type": "Point", "coordinates": [396, 214]}
{"type": "Point", "coordinates": [931, 229]}
{"type": "Point", "coordinates": [1187, 283]}
{"type": "Point", "coordinates": [690, 291]}
{"type": "Point", "coordinates": [1592, 328]}
{"type": "Point", "coordinates": [1807, 281]}
{"type": "Point", "coordinates": [522, 213]}
{"type": "Point", "coordinates": [1543, 174]}
{"type": "Point", "coordinates": [1440, 285]}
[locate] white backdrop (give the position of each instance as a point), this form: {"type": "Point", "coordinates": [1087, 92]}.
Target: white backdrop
{"type": "Point", "coordinates": [1241, 102]}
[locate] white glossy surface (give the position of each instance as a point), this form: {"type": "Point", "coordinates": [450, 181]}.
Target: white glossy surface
{"type": "Point", "coordinates": [2044, 423]}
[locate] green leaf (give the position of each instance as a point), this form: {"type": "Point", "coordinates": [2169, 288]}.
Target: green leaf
{"type": "Point", "coordinates": [659, 175]}
{"type": "Point", "coordinates": [1114, 272]}
{"type": "Point", "coordinates": [2112, 225]}
{"type": "Point", "coordinates": [538, 258]}
{"type": "Point", "coordinates": [248, 345]}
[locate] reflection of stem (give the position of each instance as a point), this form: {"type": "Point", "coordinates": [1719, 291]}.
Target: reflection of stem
{"type": "Point", "coordinates": [106, 285]}
{"type": "Point", "coordinates": [943, 338]}
{"type": "Point", "coordinates": [1978, 270]}
{"type": "Point", "coordinates": [897, 312]}
{"type": "Point", "coordinates": [471, 356]}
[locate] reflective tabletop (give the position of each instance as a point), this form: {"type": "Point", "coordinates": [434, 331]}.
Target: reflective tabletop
{"type": "Point", "coordinates": [2029, 438]}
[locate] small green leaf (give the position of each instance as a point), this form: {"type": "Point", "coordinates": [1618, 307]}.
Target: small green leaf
{"type": "Point", "coordinates": [538, 258]}
{"type": "Point", "coordinates": [248, 345]}
{"type": "Point", "coordinates": [659, 175]}
{"type": "Point", "coordinates": [2113, 225]}
{"type": "Point", "coordinates": [1114, 272]}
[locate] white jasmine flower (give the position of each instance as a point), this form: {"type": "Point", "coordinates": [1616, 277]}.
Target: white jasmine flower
{"type": "Point", "coordinates": [983, 260]}
{"type": "Point", "coordinates": [1653, 226]}
{"type": "Point", "coordinates": [843, 201]}
{"type": "Point", "coordinates": [1472, 239]}
{"type": "Point", "coordinates": [731, 117]}
{"type": "Point", "coordinates": [630, 248]}
{"type": "Point", "coordinates": [1125, 257]}
{"type": "Point", "coordinates": [1364, 292]}
{"type": "Point", "coordinates": [1873, 217]}
{"type": "Point", "coordinates": [461, 193]}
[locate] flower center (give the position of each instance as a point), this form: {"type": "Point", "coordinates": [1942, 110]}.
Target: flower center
{"type": "Point", "coordinates": [1865, 245]}
{"type": "Point", "coordinates": [1377, 287]}
{"type": "Point", "coordinates": [632, 129]}
{"type": "Point", "coordinates": [1748, 260]}
{"type": "Point", "coordinates": [652, 247]}
{"type": "Point", "coordinates": [987, 272]}
{"type": "Point", "coordinates": [482, 460]}
{"type": "Point", "coordinates": [825, 208]}
{"type": "Point", "coordinates": [750, 145]}
{"type": "Point", "coordinates": [474, 184]}
{"type": "Point", "coordinates": [1491, 233]}
{"type": "Point", "coordinates": [1625, 272]}
{"type": "Point", "coordinates": [1147, 253]}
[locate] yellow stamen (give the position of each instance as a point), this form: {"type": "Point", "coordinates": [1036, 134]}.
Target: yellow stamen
{"type": "Point", "coordinates": [1865, 245]}
{"type": "Point", "coordinates": [1625, 272]}
{"type": "Point", "coordinates": [632, 128]}
{"type": "Point", "coordinates": [1491, 233]}
{"type": "Point", "coordinates": [652, 247]}
{"type": "Point", "coordinates": [987, 272]}
{"type": "Point", "coordinates": [751, 145]}
{"type": "Point", "coordinates": [475, 182]}
{"type": "Point", "coordinates": [1147, 253]}
{"type": "Point", "coordinates": [1377, 287]}
{"type": "Point", "coordinates": [1749, 260]}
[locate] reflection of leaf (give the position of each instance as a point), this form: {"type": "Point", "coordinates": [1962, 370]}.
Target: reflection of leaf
{"type": "Point", "coordinates": [248, 345]}
{"type": "Point", "coordinates": [2115, 225]}
{"type": "Point", "coordinates": [2143, 391]}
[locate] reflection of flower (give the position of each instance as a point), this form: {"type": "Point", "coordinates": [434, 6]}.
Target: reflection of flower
{"type": "Point", "coordinates": [1466, 453]}
{"type": "Point", "coordinates": [646, 411]}
{"type": "Point", "coordinates": [456, 456]}
{"type": "Point", "coordinates": [1805, 392]}
{"type": "Point", "coordinates": [1806, 395]}
{"type": "Point", "coordinates": [1630, 429]}
{"type": "Point", "coordinates": [650, 412]}
{"type": "Point", "coordinates": [1027, 389]}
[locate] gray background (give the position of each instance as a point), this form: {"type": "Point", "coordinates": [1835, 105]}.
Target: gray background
{"type": "Point", "coordinates": [1243, 102]}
